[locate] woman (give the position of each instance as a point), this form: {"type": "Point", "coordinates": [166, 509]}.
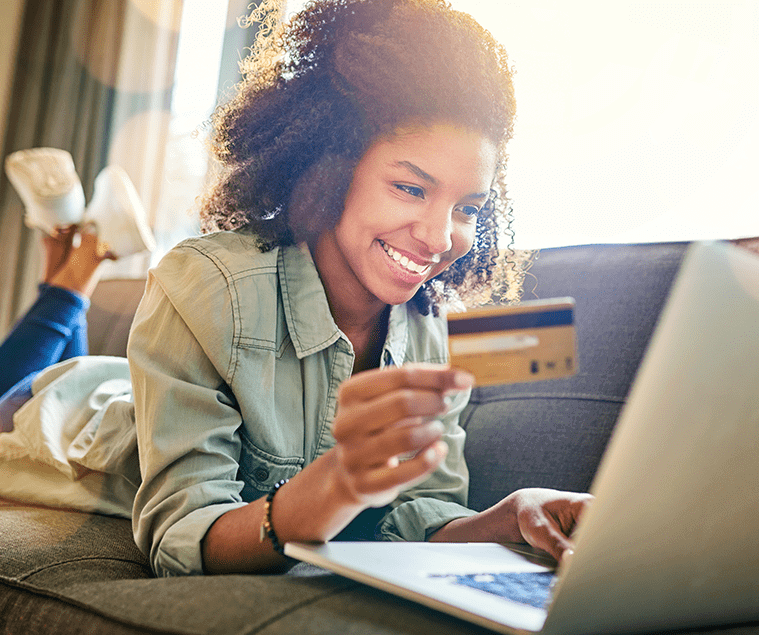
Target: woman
{"type": "Point", "coordinates": [361, 162]}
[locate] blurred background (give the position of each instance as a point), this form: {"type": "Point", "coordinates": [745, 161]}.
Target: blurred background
{"type": "Point", "coordinates": [637, 121]}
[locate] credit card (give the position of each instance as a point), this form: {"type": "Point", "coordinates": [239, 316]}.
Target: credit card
{"type": "Point", "coordinates": [530, 341]}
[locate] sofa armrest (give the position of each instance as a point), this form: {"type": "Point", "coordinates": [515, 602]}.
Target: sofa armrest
{"type": "Point", "coordinates": [110, 316]}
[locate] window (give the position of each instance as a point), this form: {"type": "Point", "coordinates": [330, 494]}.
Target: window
{"type": "Point", "coordinates": [196, 87]}
{"type": "Point", "coordinates": [636, 121]}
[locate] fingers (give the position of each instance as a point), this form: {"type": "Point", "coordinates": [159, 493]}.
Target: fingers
{"type": "Point", "coordinates": [405, 473]}
{"type": "Point", "coordinates": [380, 485]}
{"type": "Point", "coordinates": [80, 271]}
{"type": "Point", "coordinates": [372, 400]}
{"type": "Point", "coordinates": [547, 519]}
{"type": "Point", "coordinates": [433, 377]}
{"type": "Point", "coordinates": [380, 450]}
{"type": "Point", "coordinates": [387, 414]}
{"type": "Point", "coordinates": [546, 535]}
{"type": "Point", "coordinates": [89, 251]}
{"type": "Point", "coordinates": [399, 408]}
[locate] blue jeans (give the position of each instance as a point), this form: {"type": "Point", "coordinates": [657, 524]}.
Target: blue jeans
{"type": "Point", "coordinates": [53, 330]}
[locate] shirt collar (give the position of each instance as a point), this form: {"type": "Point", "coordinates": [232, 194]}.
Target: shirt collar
{"type": "Point", "coordinates": [309, 320]}
{"type": "Point", "coordinates": [397, 336]}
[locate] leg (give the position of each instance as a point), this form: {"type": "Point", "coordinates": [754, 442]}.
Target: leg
{"type": "Point", "coordinates": [79, 271]}
{"type": "Point", "coordinates": [40, 337]}
{"type": "Point", "coordinates": [58, 248]}
{"type": "Point", "coordinates": [55, 325]}
{"type": "Point", "coordinates": [78, 345]}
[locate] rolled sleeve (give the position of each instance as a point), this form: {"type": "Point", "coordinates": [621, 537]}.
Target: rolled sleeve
{"type": "Point", "coordinates": [420, 511]}
{"type": "Point", "coordinates": [179, 551]}
{"type": "Point", "coordinates": [186, 419]}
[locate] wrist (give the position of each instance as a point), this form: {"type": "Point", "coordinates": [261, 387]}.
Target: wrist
{"type": "Point", "coordinates": [313, 506]}
{"type": "Point", "coordinates": [495, 524]}
{"type": "Point", "coordinates": [342, 492]}
{"type": "Point", "coordinates": [506, 515]}
{"type": "Point", "coordinates": [267, 526]}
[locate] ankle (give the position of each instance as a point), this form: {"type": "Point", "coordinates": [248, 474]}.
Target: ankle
{"type": "Point", "coordinates": [75, 282]}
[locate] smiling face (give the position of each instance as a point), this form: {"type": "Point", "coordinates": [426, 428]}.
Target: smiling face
{"type": "Point", "coordinates": [410, 212]}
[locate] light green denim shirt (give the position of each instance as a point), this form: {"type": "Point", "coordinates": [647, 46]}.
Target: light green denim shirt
{"type": "Point", "coordinates": [235, 362]}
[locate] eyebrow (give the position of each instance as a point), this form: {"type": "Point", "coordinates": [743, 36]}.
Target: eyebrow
{"type": "Point", "coordinates": [418, 171]}
{"type": "Point", "coordinates": [431, 179]}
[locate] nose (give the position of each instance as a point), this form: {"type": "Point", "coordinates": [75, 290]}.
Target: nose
{"type": "Point", "coordinates": [434, 229]}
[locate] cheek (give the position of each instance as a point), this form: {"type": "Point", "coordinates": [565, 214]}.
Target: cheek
{"type": "Point", "coordinates": [462, 240]}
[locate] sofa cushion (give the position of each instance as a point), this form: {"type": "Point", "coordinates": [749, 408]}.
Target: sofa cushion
{"type": "Point", "coordinates": [69, 572]}
{"type": "Point", "coordinates": [553, 433]}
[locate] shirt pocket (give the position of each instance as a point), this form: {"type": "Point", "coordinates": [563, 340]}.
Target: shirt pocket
{"type": "Point", "coordinates": [259, 470]}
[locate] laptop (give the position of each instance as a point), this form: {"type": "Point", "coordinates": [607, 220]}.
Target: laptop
{"type": "Point", "coordinates": [672, 539]}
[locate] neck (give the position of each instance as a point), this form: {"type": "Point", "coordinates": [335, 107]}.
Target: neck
{"type": "Point", "coordinates": [366, 329]}
{"type": "Point", "coordinates": [369, 341]}
{"type": "Point", "coordinates": [362, 317]}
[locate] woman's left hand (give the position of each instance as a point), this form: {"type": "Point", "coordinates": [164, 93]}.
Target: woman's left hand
{"type": "Point", "coordinates": [544, 518]}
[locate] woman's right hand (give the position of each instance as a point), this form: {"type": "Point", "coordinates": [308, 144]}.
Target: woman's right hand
{"type": "Point", "coordinates": [382, 415]}
{"type": "Point", "coordinates": [387, 432]}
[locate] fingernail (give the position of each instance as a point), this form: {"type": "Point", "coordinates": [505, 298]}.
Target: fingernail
{"type": "Point", "coordinates": [436, 452]}
{"type": "Point", "coordinates": [430, 455]}
{"type": "Point", "coordinates": [567, 555]}
{"type": "Point", "coordinates": [462, 379]}
{"type": "Point", "coordinates": [436, 427]}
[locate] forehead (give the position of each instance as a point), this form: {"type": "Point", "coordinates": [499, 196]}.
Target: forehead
{"type": "Point", "coordinates": [448, 153]}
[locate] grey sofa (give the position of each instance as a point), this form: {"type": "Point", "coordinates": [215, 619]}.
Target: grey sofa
{"type": "Point", "coordinates": [69, 572]}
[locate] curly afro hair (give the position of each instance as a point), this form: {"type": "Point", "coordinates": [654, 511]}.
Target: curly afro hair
{"type": "Point", "coordinates": [318, 90]}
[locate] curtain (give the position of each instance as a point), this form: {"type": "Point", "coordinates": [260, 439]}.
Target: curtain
{"type": "Point", "coordinates": [94, 78]}
{"type": "Point", "coordinates": [211, 47]}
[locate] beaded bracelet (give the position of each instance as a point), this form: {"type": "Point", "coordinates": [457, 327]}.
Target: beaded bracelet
{"type": "Point", "coordinates": [267, 529]}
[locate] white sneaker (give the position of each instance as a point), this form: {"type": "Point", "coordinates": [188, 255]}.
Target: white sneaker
{"type": "Point", "coordinates": [48, 185]}
{"type": "Point", "coordinates": [118, 214]}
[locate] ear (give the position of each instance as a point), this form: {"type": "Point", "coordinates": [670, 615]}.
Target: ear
{"type": "Point", "coordinates": [318, 197]}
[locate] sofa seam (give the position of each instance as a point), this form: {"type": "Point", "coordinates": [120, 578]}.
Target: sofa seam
{"type": "Point", "coordinates": [349, 586]}
{"type": "Point", "coordinates": [26, 576]}
{"type": "Point", "coordinates": [55, 595]}
{"type": "Point", "coordinates": [567, 397]}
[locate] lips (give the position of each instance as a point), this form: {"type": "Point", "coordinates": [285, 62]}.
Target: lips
{"type": "Point", "coordinates": [404, 261]}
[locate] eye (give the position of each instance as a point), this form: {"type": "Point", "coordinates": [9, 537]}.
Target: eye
{"type": "Point", "coordinates": [412, 190]}
{"type": "Point", "coordinates": [469, 210]}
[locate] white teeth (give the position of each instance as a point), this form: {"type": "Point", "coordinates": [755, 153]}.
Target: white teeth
{"type": "Point", "coordinates": [403, 260]}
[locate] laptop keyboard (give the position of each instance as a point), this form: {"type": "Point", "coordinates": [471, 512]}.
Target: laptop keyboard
{"type": "Point", "coordinates": [530, 588]}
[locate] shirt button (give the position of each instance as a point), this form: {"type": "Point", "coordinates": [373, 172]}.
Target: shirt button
{"type": "Point", "coordinates": [260, 474]}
